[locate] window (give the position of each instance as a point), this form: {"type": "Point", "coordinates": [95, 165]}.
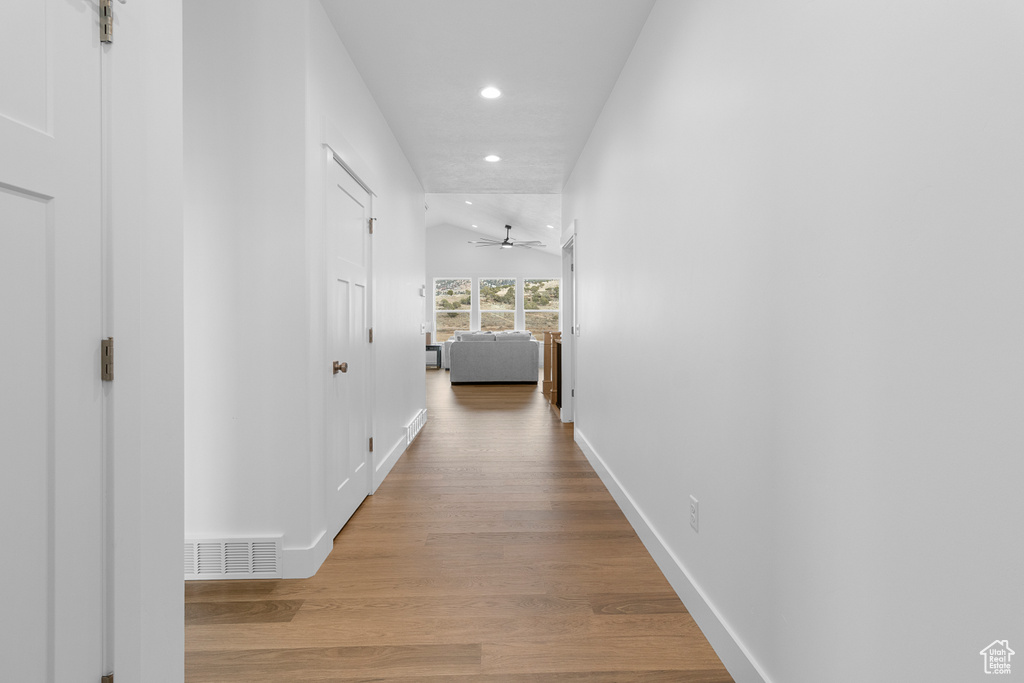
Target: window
{"type": "Point", "coordinates": [453, 300]}
{"type": "Point", "coordinates": [541, 305]}
{"type": "Point", "coordinates": [497, 304]}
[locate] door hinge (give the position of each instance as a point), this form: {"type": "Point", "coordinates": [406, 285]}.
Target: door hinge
{"type": "Point", "coordinates": [371, 444]}
{"type": "Point", "coordinates": [572, 267]}
{"type": "Point", "coordinates": [371, 335]}
{"type": "Point", "coordinates": [573, 393]}
{"type": "Point", "coordinates": [106, 21]}
{"type": "Point", "coordinates": [109, 678]}
{"type": "Point", "coordinates": [370, 224]}
{"type": "Point", "coordinates": [107, 359]}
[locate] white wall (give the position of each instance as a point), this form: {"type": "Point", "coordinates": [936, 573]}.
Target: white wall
{"type": "Point", "coordinates": [449, 254]}
{"type": "Point", "coordinates": [253, 269]}
{"type": "Point", "coordinates": [245, 311]}
{"type": "Point", "coordinates": [818, 209]}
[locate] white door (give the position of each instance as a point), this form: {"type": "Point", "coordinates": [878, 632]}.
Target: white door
{"type": "Point", "coordinates": [50, 307]}
{"type": "Point", "coordinates": [570, 330]}
{"type": "Point", "coordinates": [348, 414]}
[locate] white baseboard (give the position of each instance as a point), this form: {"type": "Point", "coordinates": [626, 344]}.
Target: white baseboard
{"type": "Point", "coordinates": [727, 646]}
{"type": "Point", "coordinates": [381, 469]}
{"type": "Point", "coordinates": [384, 467]}
{"type": "Point", "coordinates": [290, 563]}
{"type": "Point", "coordinates": [302, 563]}
{"type": "Point", "coordinates": [416, 425]}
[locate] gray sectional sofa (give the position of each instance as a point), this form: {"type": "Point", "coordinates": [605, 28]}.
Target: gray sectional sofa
{"type": "Point", "coordinates": [495, 358]}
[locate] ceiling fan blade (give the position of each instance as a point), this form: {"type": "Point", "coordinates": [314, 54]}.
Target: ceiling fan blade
{"type": "Point", "coordinates": [507, 242]}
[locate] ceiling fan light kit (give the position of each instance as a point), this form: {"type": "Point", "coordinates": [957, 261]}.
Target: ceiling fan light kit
{"type": "Point", "coordinates": [506, 243]}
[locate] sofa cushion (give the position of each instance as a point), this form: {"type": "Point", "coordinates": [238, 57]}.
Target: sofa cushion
{"type": "Point", "coordinates": [475, 336]}
{"type": "Point", "coordinates": [514, 336]}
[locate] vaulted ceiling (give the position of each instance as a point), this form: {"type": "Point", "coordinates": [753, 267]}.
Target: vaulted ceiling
{"type": "Point", "coordinates": [555, 61]}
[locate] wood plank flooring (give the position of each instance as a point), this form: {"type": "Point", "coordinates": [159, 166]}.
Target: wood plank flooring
{"type": "Point", "coordinates": [492, 553]}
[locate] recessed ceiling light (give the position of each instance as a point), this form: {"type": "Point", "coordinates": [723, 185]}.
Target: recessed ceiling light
{"type": "Point", "coordinates": [552, 227]}
{"type": "Point", "coordinates": [469, 202]}
{"type": "Point", "coordinates": [492, 158]}
{"type": "Point", "coordinates": [474, 226]}
{"type": "Point", "coordinates": [490, 92]}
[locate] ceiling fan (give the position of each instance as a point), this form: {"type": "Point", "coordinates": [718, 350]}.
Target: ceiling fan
{"type": "Point", "coordinates": [506, 243]}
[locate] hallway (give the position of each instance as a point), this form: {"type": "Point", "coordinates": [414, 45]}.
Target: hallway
{"type": "Point", "coordinates": [492, 552]}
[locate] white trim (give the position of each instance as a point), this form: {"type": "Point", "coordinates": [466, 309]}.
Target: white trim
{"type": "Point", "coordinates": [416, 425]}
{"type": "Point", "coordinates": [519, 320]}
{"type": "Point", "coordinates": [569, 323]}
{"type": "Point", "coordinates": [727, 645]}
{"type": "Point", "coordinates": [568, 232]}
{"type": "Point", "coordinates": [523, 310]}
{"type": "Point", "coordinates": [434, 309]}
{"type": "Point", "coordinates": [146, 203]}
{"type": "Point", "coordinates": [347, 156]}
{"type": "Point", "coordinates": [479, 307]}
{"type": "Point", "coordinates": [302, 563]}
{"type": "Point", "coordinates": [381, 470]}
{"type": "Point", "coordinates": [476, 313]}
{"type": "Point", "coordinates": [110, 432]}
{"type": "Point", "coordinates": [371, 347]}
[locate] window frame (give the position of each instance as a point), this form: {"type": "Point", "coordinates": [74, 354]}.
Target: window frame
{"type": "Point", "coordinates": [516, 304]}
{"type": "Point", "coordinates": [468, 311]}
{"type": "Point", "coordinates": [518, 312]}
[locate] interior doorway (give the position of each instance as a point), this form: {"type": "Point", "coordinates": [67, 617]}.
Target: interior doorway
{"type": "Point", "coordinates": [347, 226]}
{"type": "Point", "coordinates": [570, 324]}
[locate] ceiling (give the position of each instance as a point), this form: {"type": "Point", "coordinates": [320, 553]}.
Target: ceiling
{"type": "Point", "coordinates": [425, 61]}
{"type": "Point", "coordinates": [528, 214]}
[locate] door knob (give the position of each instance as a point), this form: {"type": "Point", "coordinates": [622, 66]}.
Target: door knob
{"type": "Point", "coordinates": [340, 367]}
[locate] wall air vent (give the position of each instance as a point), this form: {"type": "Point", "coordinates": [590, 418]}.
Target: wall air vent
{"type": "Point", "coordinates": [233, 558]}
{"type": "Point", "coordinates": [416, 425]}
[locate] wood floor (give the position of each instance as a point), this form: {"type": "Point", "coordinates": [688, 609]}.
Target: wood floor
{"type": "Point", "coordinates": [491, 553]}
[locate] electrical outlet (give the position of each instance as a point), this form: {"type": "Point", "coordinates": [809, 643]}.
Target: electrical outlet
{"type": "Point", "coordinates": [695, 514]}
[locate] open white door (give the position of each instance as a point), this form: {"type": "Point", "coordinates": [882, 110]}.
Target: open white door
{"type": "Point", "coordinates": [51, 398]}
{"type": "Point", "coordinates": [348, 410]}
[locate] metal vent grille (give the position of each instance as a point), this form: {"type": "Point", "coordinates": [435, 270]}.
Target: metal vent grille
{"type": "Point", "coordinates": [416, 425]}
{"type": "Point", "coordinates": [237, 559]}
{"type": "Point", "coordinates": [233, 558]}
